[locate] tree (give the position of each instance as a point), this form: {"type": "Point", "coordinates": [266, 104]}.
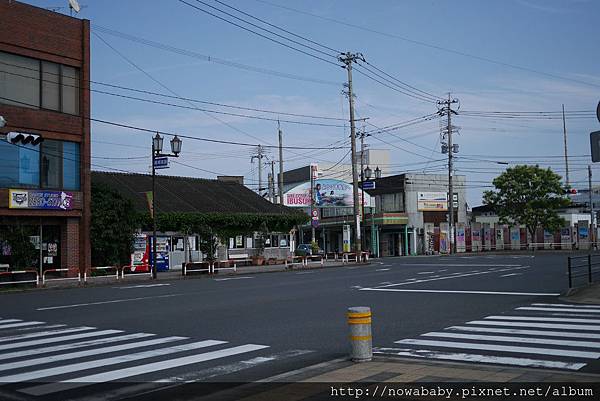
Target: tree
{"type": "Point", "coordinates": [528, 195]}
{"type": "Point", "coordinates": [114, 221]}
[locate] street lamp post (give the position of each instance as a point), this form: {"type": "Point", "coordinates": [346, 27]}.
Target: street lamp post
{"type": "Point", "coordinates": [157, 146]}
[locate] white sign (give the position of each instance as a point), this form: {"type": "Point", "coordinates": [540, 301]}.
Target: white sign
{"type": "Point", "coordinates": [327, 193]}
{"type": "Point", "coordinates": [434, 201]}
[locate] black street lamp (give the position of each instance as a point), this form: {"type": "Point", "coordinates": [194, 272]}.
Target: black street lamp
{"type": "Point", "coordinates": [377, 172]}
{"type": "Point", "coordinates": [157, 146]}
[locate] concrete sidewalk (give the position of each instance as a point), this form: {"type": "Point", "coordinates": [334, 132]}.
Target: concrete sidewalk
{"type": "Point", "coordinates": [585, 295]}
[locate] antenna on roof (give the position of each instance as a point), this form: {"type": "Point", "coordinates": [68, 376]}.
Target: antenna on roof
{"type": "Point", "coordinates": [74, 6]}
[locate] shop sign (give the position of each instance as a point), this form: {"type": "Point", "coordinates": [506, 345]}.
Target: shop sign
{"type": "Point", "coordinates": [326, 192]}
{"type": "Point", "coordinates": [52, 249]}
{"type": "Point", "coordinates": [432, 201]}
{"type": "Point", "coordinates": [28, 199]}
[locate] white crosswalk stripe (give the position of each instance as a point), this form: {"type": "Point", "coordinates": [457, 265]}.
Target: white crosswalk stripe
{"type": "Point", "coordinates": [530, 336]}
{"type": "Point", "coordinates": [59, 358]}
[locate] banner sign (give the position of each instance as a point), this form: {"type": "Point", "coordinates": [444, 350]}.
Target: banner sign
{"type": "Point", "coordinates": [432, 201]}
{"type": "Point", "coordinates": [29, 199]}
{"type": "Point", "coordinates": [327, 193]}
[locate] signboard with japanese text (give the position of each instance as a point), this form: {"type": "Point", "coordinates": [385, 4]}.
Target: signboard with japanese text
{"type": "Point", "coordinates": [327, 193]}
{"type": "Point", "coordinates": [33, 199]}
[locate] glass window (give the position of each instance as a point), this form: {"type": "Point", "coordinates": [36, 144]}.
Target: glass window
{"type": "Point", "coordinates": [70, 90]}
{"type": "Point", "coordinates": [51, 164]}
{"type": "Point", "coordinates": [19, 80]}
{"type": "Point", "coordinates": [50, 86]}
{"type": "Point", "coordinates": [19, 165]}
{"type": "Point", "coordinates": [71, 159]}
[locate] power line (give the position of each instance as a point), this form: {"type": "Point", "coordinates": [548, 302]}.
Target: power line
{"type": "Point", "coordinates": [211, 59]}
{"type": "Point", "coordinates": [390, 86]}
{"type": "Point", "coordinates": [430, 45]}
{"type": "Point", "coordinates": [260, 34]}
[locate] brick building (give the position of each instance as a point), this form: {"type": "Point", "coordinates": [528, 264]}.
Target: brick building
{"type": "Point", "coordinates": [45, 187]}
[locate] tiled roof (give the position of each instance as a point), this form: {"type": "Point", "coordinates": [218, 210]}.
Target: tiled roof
{"type": "Point", "coordinates": [186, 194]}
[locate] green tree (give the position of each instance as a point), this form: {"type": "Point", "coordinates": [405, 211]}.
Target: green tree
{"type": "Point", "coordinates": [114, 221]}
{"type": "Point", "coordinates": [528, 195]}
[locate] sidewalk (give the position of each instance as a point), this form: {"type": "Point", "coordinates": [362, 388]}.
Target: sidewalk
{"type": "Point", "coordinates": [584, 295]}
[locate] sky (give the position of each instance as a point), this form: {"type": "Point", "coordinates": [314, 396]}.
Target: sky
{"type": "Point", "coordinates": [493, 56]}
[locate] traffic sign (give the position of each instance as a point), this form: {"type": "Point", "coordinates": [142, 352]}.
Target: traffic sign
{"type": "Point", "coordinates": [315, 223]}
{"type": "Point", "coordinates": [598, 111]}
{"type": "Point", "coordinates": [368, 185]}
{"type": "Point", "coordinates": [595, 145]}
{"type": "Point", "coordinates": [161, 162]}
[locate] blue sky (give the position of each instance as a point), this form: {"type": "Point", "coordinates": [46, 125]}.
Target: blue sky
{"type": "Point", "coordinates": [553, 37]}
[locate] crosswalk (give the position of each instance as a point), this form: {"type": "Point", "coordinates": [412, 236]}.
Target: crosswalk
{"type": "Point", "coordinates": [40, 359]}
{"type": "Point", "coordinates": [541, 335]}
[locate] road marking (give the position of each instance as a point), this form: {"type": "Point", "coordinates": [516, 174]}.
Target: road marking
{"type": "Point", "coordinates": [23, 324]}
{"type": "Point", "coordinates": [539, 294]}
{"type": "Point", "coordinates": [460, 264]}
{"type": "Point", "coordinates": [505, 348]}
{"type": "Point", "coordinates": [92, 352]}
{"type": "Point", "coordinates": [58, 339]}
{"type": "Point", "coordinates": [457, 276]}
{"type": "Point", "coordinates": [305, 272]}
{"type": "Point", "coordinates": [511, 274]}
{"type": "Point", "coordinates": [559, 309]}
{"type": "Point", "coordinates": [538, 325]}
{"type": "Point", "coordinates": [543, 319]}
{"type": "Point", "coordinates": [528, 332]}
{"type": "Point", "coordinates": [4, 321]}
{"type": "Point", "coordinates": [142, 286]}
{"type": "Point", "coordinates": [382, 270]}
{"type": "Point", "coordinates": [425, 272]}
{"type": "Point", "coordinates": [138, 370]}
{"type": "Point", "coordinates": [480, 358]}
{"type": "Point", "coordinates": [76, 367]}
{"type": "Point", "coordinates": [526, 340]}
{"type": "Point", "coordinates": [114, 301]}
{"type": "Point", "coordinates": [232, 278]}
{"type": "Point", "coordinates": [89, 343]}
{"type": "Point", "coordinates": [44, 333]}
{"type": "Point", "coordinates": [569, 306]}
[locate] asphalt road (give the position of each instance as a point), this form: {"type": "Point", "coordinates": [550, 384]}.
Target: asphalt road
{"type": "Point", "coordinates": [261, 325]}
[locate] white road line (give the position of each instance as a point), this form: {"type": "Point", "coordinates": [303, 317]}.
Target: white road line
{"type": "Point", "coordinates": [58, 339]}
{"type": "Point", "coordinates": [527, 332]}
{"type": "Point", "coordinates": [305, 272]}
{"type": "Point", "coordinates": [82, 354]}
{"type": "Point", "coordinates": [44, 333]}
{"type": "Point", "coordinates": [449, 356]}
{"type": "Point", "coordinates": [45, 327]}
{"type": "Point", "coordinates": [138, 370]}
{"type": "Point", "coordinates": [569, 306]}
{"type": "Point", "coordinates": [382, 270]}
{"type": "Point", "coordinates": [114, 301]}
{"type": "Point", "coordinates": [458, 276]}
{"type": "Point", "coordinates": [5, 321]}
{"type": "Point", "coordinates": [77, 367]}
{"type": "Point", "coordinates": [143, 286]}
{"type": "Point", "coordinates": [540, 294]}
{"type": "Point", "coordinates": [442, 270]}
{"type": "Point", "coordinates": [425, 272]}
{"type": "Point", "coordinates": [72, 346]}
{"type": "Point", "coordinates": [232, 278]}
{"type": "Point", "coordinates": [559, 309]}
{"type": "Point", "coordinates": [510, 339]}
{"type": "Point", "coordinates": [504, 348]}
{"type": "Point", "coordinates": [13, 325]}
{"type": "Point", "coordinates": [511, 274]}
{"type": "Point", "coordinates": [538, 325]}
{"type": "Point", "coordinates": [460, 264]}
{"type": "Point", "coordinates": [543, 319]}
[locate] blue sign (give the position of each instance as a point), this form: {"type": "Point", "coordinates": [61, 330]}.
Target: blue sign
{"type": "Point", "coordinates": [31, 199]}
{"type": "Point", "coordinates": [161, 162]}
{"type": "Point", "coordinates": [368, 185]}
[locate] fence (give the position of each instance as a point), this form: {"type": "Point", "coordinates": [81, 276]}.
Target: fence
{"type": "Point", "coordinates": [582, 266]}
{"type": "Point", "coordinates": [56, 275]}
{"type": "Point", "coordinates": [10, 274]}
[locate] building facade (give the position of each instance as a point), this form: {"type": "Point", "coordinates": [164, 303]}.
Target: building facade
{"type": "Point", "coordinates": [45, 187]}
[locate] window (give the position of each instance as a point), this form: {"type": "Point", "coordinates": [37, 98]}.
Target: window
{"type": "Point", "coordinates": [390, 203]}
{"type": "Point", "coordinates": [19, 165]}
{"type": "Point", "coordinates": [71, 174]}
{"type": "Point", "coordinates": [70, 90]}
{"type": "Point", "coordinates": [19, 80]}
{"type": "Point", "coordinates": [51, 164]}
{"type": "Point", "coordinates": [32, 83]}
{"type": "Point", "coordinates": [50, 86]}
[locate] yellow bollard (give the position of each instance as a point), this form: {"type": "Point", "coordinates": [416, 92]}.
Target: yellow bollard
{"type": "Point", "coordinates": [359, 320]}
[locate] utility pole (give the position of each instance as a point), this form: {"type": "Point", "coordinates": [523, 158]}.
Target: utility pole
{"type": "Point", "coordinates": [451, 149]}
{"type": "Point", "coordinates": [362, 179]}
{"type": "Point", "coordinates": [280, 165]}
{"type": "Point", "coordinates": [272, 182]}
{"type": "Point", "coordinates": [349, 58]}
{"type": "Point", "coordinates": [259, 156]}
{"type": "Point", "coordinates": [592, 231]}
{"type": "Point", "coordinates": [565, 141]}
